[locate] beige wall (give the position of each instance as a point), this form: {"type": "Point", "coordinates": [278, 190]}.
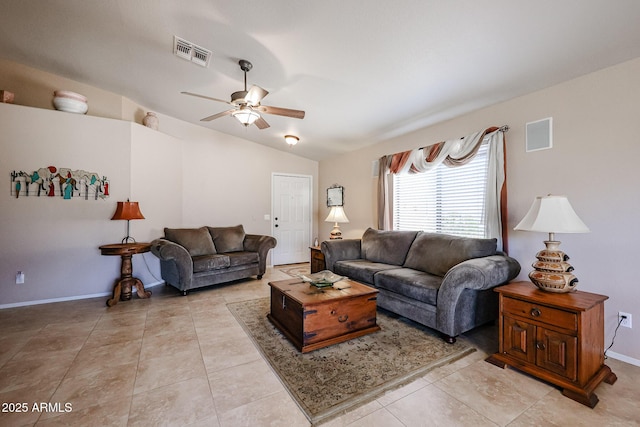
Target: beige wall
{"type": "Point", "coordinates": [182, 175]}
{"type": "Point", "coordinates": [35, 88]}
{"type": "Point", "coordinates": [594, 161]}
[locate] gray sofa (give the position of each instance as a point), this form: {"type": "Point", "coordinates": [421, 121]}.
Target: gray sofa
{"type": "Point", "coordinates": [195, 257]}
{"type": "Point", "coordinates": [441, 281]}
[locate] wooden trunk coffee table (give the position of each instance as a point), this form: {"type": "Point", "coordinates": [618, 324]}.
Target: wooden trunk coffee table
{"type": "Point", "coordinates": [312, 318]}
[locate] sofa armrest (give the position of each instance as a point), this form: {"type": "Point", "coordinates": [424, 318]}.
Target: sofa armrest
{"type": "Point", "coordinates": [478, 274]}
{"type": "Point", "coordinates": [338, 250]}
{"type": "Point", "coordinates": [262, 245]}
{"type": "Point", "coordinates": [175, 262]}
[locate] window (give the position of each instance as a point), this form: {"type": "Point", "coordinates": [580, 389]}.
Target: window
{"type": "Point", "coordinates": [447, 200]}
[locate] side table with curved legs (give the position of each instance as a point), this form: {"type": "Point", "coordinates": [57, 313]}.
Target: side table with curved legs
{"type": "Point", "coordinates": [122, 288]}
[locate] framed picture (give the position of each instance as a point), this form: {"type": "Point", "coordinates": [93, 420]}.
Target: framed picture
{"type": "Point", "coordinates": [335, 196]}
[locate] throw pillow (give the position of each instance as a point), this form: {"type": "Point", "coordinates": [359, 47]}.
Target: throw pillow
{"type": "Point", "coordinates": [388, 247]}
{"type": "Point", "coordinates": [436, 253]}
{"type": "Point", "coordinates": [195, 240]}
{"type": "Point", "coordinates": [228, 239]}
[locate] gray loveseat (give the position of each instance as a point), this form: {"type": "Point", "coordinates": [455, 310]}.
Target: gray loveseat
{"type": "Point", "coordinates": [441, 281]}
{"type": "Point", "coordinates": [195, 257]}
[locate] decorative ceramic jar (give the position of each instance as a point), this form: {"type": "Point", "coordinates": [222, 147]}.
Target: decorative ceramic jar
{"type": "Point", "coordinates": [151, 120]}
{"type": "Point", "coordinates": [70, 102]}
{"type": "Point", "coordinates": [6, 97]}
{"type": "Point", "coordinates": [552, 271]}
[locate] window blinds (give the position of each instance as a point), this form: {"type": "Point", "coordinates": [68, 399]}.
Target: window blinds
{"type": "Point", "coordinates": [444, 200]}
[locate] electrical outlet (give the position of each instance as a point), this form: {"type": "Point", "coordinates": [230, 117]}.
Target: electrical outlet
{"type": "Point", "coordinates": [19, 278]}
{"type": "Point", "coordinates": [626, 321]}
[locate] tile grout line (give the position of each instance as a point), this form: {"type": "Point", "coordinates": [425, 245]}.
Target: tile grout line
{"type": "Point", "coordinates": [68, 368]}
{"type": "Point", "coordinates": [206, 373]}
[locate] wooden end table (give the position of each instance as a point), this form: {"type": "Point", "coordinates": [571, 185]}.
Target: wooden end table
{"type": "Point", "coordinates": [557, 337]}
{"type": "Point", "coordinates": [312, 318]}
{"type": "Point", "coordinates": [122, 288]}
{"type": "Point", "coordinates": [317, 259]}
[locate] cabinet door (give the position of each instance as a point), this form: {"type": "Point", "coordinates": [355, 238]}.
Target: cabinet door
{"type": "Point", "coordinates": [317, 261]}
{"type": "Point", "coordinates": [519, 339]}
{"type": "Point", "coordinates": [557, 352]}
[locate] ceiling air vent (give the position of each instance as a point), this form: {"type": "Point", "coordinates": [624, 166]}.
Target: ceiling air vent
{"type": "Point", "coordinates": [191, 52]}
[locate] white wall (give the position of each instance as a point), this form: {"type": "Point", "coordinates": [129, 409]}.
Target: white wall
{"type": "Point", "coordinates": [182, 175]}
{"type": "Point", "coordinates": [594, 162]}
{"type": "Point", "coordinates": [55, 241]}
{"type": "Point", "coordinates": [227, 180]}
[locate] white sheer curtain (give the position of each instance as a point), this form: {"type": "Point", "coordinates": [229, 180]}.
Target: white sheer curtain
{"type": "Point", "coordinates": [452, 153]}
{"type": "Point", "coordinates": [495, 183]}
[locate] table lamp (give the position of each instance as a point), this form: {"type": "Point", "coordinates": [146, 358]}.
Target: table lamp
{"type": "Point", "coordinates": [127, 211]}
{"type": "Point", "coordinates": [336, 215]}
{"type": "Point", "coordinates": [552, 214]}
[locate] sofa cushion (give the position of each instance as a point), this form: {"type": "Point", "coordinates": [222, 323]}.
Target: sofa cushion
{"type": "Point", "coordinates": [387, 247]}
{"type": "Point", "coordinates": [228, 239]}
{"type": "Point", "coordinates": [411, 283]}
{"type": "Point", "coordinates": [195, 240]}
{"type": "Point", "coordinates": [210, 262]}
{"type": "Point", "coordinates": [436, 253]}
{"type": "Point", "coordinates": [242, 258]}
{"type": "Point", "coordinates": [360, 269]}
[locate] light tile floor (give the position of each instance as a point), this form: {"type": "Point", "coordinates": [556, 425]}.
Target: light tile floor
{"type": "Point", "coordinates": [185, 361]}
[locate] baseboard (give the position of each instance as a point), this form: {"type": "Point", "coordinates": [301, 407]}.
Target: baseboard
{"type": "Point", "coordinates": [62, 299]}
{"type": "Point", "coordinates": [623, 358]}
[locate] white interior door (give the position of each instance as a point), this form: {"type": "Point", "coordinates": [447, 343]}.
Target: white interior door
{"type": "Point", "coordinates": [291, 218]}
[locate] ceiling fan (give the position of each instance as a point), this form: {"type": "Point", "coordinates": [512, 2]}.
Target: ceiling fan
{"type": "Point", "coordinates": [246, 104]}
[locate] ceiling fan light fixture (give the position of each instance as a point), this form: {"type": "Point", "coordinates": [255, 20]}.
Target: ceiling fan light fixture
{"type": "Point", "coordinates": [246, 116]}
{"type": "Point", "coordinates": [291, 139]}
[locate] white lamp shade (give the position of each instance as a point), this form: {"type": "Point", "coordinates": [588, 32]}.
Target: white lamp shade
{"type": "Point", "coordinates": [337, 215]}
{"type": "Point", "coordinates": [246, 116]}
{"type": "Point", "coordinates": [552, 214]}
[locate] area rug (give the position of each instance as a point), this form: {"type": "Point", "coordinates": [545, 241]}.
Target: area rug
{"type": "Point", "coordinates": [295, 270]}
{"type": "Point", "coordinates": [329, 381]}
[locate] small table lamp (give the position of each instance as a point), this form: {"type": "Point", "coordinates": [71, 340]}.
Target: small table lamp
{"type": "Point", "coordinates": [336, 215]}
{"type": "Point", "coordinates": [127, 210]}
{"type": "Point", "coordinates": [552, 214]}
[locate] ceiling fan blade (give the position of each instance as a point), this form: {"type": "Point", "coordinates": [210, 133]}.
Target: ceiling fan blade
{"type": "Point", "coordinates": [296, 114]}
{"type": "Point", "coordinates": [255, 95]}
{"type": "Point", "coordinates": [261, 123]}
{"type": "Point", "coordinates": [205, 97]}
{"type": "Point", "coordinates": [217, 116]}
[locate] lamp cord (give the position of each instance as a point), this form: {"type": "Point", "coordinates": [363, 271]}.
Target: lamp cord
{"type": "Point", "coordinates": [149, 270]}
{"type": "Point", "coordinates": [614, 337]}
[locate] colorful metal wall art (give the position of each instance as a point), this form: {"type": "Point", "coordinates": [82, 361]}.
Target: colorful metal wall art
{"type": "Point", "coordinates": [59, 182]}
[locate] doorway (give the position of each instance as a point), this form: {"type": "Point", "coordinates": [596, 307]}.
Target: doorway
{"type": "Point", "coordinates": [291, 218]}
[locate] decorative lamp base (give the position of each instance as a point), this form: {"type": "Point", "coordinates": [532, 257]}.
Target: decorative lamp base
{"type": "Point", "coordinates": [552, 271]}
{"type": "Point", "coordinates": [336, 234]}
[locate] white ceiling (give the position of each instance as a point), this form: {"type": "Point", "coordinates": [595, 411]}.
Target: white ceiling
{"type": "Point", "coordinates": [363, 70]}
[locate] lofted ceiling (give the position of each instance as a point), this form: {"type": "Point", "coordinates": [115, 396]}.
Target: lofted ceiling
{"type": "Point", "coordinates": [363, 70]}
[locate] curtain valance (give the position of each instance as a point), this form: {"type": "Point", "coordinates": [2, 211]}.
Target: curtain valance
{"type": "Point", "coordinates": [455, 152]}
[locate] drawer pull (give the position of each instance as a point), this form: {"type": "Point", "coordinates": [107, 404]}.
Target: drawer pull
{"type": "Point", "coordinates": [284, 302]}
{"type": "Point", "coordinates": [535, 312]}
{"type": "Point", "coordinates": [540, 345]}
{"type": "Point", "coordinates": [343, 318]}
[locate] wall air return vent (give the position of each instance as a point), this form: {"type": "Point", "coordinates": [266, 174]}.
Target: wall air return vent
{"type": "Point", "coordinates": [191, 52]}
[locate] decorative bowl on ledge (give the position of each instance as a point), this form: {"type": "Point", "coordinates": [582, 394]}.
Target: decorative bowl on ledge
{"type": "Point", "coordinates": [70, 102]}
